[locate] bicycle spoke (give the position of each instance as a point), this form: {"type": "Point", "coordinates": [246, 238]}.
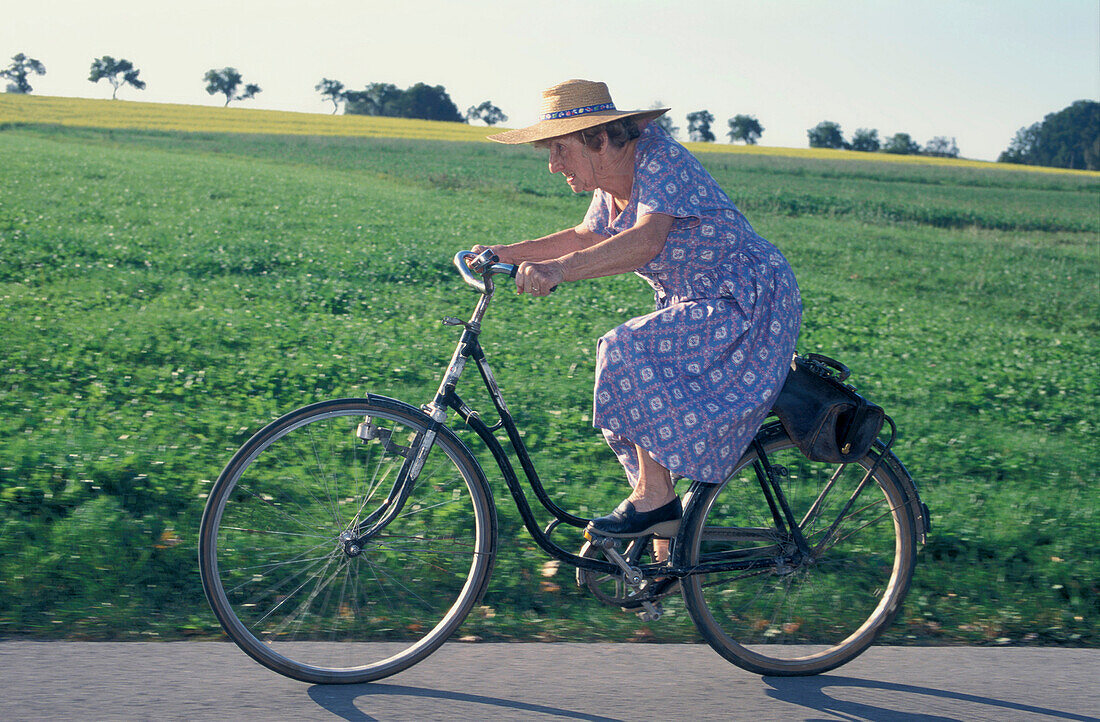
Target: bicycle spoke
{"type": "Point", "coordinates": [397, 583]}
{"type": "Point", "coordinates": [832, 598]}
{"type": "Point", "coordinates": [295, 617]}
{"type": "Point", "coordinates": [277, 510]}
{"type": "Point", "coordinates": [278, 561]}
{"type": "Point", "coordinates": [276, 533]}
{"type": "Point", "coordinates": [286, 597]}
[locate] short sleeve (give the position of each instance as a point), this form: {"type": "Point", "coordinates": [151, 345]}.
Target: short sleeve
{"type": "Point", "coordinates": [598, 217]}
{"type": "Point", "coordinates": [669, 180]}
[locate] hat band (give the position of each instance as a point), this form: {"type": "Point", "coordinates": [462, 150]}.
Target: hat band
{"type": "Point", "coordinates": [577, 111]}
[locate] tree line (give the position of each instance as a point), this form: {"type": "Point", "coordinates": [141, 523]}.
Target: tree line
{"type": "Point", "coordinates": [421, 101]}
{"type": "Point", "coordinates": [826, 134]}
{"type": "Point", "coordinates": [1069, 138]}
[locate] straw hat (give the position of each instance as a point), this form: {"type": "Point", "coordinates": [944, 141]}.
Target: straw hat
{"type": "Point", "coordinates": [571, 106]}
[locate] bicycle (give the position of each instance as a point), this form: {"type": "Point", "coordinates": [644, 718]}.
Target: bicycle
{"type": "Point", "coordinates": [348, 539]}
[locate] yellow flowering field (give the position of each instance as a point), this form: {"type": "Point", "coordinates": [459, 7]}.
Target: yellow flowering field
{"type": "Point", "coordinates": [831, 154]}
{"type": "Point", "coordinates": [121, 114]}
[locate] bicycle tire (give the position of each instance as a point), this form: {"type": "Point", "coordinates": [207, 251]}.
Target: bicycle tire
{"type": "Point", "coordinates": [806, 617]}
{"type": "Point", "coordinates": [279, 576]}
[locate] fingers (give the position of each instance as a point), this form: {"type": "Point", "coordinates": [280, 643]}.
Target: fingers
{"type": "Point", "coordinates": [478, 249]}
{"type": "Point", "coordinates": [525, 279]}
{"type": "Point", "coordinates": [537, 279]}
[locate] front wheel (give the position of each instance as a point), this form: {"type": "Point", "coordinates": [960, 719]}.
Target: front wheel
{"type": "Point", "coordinates": [321, 564]}
{"type": "Point", "coordinates": [781, 612]}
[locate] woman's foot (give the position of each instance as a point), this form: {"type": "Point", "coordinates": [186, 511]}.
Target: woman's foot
{"type": "Point", "coordinates": [626, 521]}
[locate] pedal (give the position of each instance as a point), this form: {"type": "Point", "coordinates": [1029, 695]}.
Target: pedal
{"type": "Point", "coordinates": [651, 611]}
{"type": "Point", "coordinates": [631, 575]}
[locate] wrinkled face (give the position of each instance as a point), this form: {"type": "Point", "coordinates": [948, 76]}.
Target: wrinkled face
{"type": "Point", "coordinates": [570, 157]}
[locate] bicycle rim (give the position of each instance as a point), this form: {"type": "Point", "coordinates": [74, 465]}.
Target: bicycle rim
{"type": "Point", "coordinates": [281, 579]}
{"type": "Point", "coordinates": [792, 616]}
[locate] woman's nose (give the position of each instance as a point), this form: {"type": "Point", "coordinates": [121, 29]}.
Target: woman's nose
{"type": "Point", "coordinates": [555, 163]}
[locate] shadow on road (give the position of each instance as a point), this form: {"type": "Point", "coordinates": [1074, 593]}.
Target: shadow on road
{"type": "Point", "coordinates": [810, 692]}
{"type": "Point", "coordinates": [340, 700]}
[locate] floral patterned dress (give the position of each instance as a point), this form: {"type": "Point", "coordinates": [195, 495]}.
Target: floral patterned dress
{"type": "Point", "coordinates": [692, 382]}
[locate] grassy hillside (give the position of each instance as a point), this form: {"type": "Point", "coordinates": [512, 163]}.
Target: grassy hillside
{"type": "Point", "coordinates": [168, 292]}
{"type": "Point", "coordinates": [36, 110]}
{"type": "Point", "coordinates": [128, 115]}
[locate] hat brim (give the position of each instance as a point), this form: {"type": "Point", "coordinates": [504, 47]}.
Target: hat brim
{"type": "Point", "coordinates": [564, 126]}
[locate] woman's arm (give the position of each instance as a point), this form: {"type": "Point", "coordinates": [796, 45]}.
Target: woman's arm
{"type": "Point", "coordinates": [623, 252]}
{"type": "Point", "coordinates": [546, 248]}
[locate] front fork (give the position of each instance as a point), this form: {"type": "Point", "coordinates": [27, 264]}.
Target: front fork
{"type": "Point", "coordinates": [353, 540]}
{"type": "Point", "coordinates": [415, 455]}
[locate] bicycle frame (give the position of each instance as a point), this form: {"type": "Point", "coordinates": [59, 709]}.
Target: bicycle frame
{"type": "Point", "coordinates": [786, 536]}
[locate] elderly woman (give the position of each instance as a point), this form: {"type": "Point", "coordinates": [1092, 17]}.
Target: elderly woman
{"type": "Point", "coordinates": [682, 390]}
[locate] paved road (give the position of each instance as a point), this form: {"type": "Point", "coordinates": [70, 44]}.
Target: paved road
{"type": "Point", "coordinates": [214, 681]}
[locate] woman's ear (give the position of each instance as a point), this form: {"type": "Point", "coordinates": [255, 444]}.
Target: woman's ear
{"type": "Point", "coordinates": [603, 142]}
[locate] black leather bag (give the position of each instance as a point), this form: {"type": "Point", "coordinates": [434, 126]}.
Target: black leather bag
{"type": "Point", "coordinates": [825, 417]}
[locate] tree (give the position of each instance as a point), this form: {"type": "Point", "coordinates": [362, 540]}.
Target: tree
{"type": "Point", "coordinates": [226, 81]}
{"type": "Point", "coordinates": [116, 72]}
{"type": "Point", "coordinates": [374, 99]}
{"type": "Point", "coordinates": [20, 69]}
{"type": "Point", "coordinates": [866, 140]}
{"type": "Point", "coordinates": [1069, 138]}
{"type": "Point", "coordinates": [746, 128]}
{"type": "Point", "coordinates": [826, 134]}
{"type": "Point", "coordinates": [426, 102]}
{"type": "Point", "coordinates": [486, 113]}
{"type": "Point", "coordinates": [331, 90]}
{"type": "Point", "coordinates": [901, 144]}
{"type": "Point", "coordinates": [699, 126]}
{"type": "Point", "coordinates": [664, 121]}
{"type": "Point", "coordinates": [429, 102]}
{"type": "Point", "coordinates": [1019, 150]}
{"type": "Point", "coordinates": [942, 147]}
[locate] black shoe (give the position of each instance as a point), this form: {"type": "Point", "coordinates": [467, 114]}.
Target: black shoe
{"type": "Point", "coordinates": [625, 522]}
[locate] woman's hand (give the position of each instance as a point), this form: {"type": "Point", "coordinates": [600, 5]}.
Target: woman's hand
{"type": "Point", "coordinates": [539, 279]}
{"type": "Point", "coordinates": [478, 249]}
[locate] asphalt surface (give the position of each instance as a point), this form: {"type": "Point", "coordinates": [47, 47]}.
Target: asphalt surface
{"type": "Point", "coordinates": [215, 681]}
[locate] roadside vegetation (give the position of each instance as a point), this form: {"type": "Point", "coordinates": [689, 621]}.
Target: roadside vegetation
{"type": "Point", "coordinates": [170, 289]}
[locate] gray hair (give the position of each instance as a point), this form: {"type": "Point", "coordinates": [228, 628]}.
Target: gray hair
{"type": "Point", "coordinates": [619, 133]}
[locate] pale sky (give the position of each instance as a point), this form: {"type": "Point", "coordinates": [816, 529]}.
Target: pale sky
{"type": "Point", "coordinates": [975, 71]}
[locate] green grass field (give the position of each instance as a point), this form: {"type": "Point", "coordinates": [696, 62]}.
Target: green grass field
{"type": "Point", "coordinates": [168, 293]}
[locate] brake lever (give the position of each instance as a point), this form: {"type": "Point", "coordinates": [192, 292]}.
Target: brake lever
{"type": "Point", "coordinates": [484, 260]}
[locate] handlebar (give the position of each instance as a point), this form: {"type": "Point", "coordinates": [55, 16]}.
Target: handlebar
{"type": "Point", "coordinates": [487, 264]}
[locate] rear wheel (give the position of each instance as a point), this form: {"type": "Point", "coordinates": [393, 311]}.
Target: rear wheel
{"type": "Point", "coordinates": [781, 613]}
{"type": "Point", "coordinates": [285, 564]}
